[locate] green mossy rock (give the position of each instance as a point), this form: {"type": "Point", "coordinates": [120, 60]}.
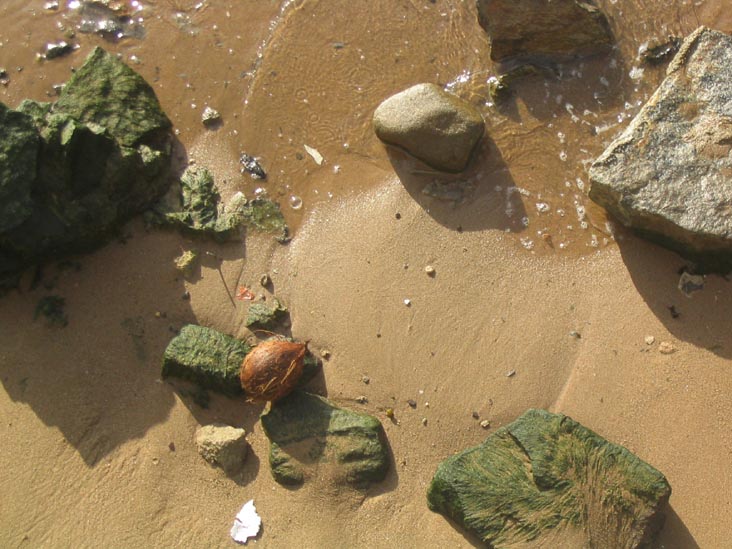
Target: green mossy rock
{"type": "Point", "coordinates": [206, 357]}
{"type": "Point", "coordinates": [309, 433]}
{"type": "Point", "coordinates": [71, 173]}
{"type": "Point", "coordinates": [18, 161]}
{"type": "Point", "coordinates": [547, 481]}
{"type": "Point", "coordinates": [195, 208]}
{"type": "Point", "coordinates": [263, 315]}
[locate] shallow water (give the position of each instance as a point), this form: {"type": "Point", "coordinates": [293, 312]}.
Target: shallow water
{"type": "Point", "coordinates": [296, 83]}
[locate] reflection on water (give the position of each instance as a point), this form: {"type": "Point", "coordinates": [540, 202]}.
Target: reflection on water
{"type": "Point", "coordinates": [299, 76]}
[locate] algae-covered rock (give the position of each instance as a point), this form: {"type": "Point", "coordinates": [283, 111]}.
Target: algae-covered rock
{"type": "Point", "coordinates": [531, 29]}
{"type": "Point", "coordinates": [19, 148]}
{"type": "Point", "coordinates": [72, 172]}
{"type": "Point", "coordinates": [265, 315]}
{"type": "Point", "coordinates": [310, 435]}
{"type": "Point", "coordinates": [197, 209]}
{"type": "Point", "coordinates": [547, 481]}
{"type": "Point", "coordinates": [668, 176]}
{"type": "Point", "coordinates": [207, 357]}
{"type": "Point", "coordinates": [431, 124]}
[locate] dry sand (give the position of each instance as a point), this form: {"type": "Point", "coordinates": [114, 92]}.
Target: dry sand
{"type": "Point", "coordinates": [98, 451]}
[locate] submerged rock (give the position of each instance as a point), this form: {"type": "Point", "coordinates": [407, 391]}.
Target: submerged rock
{"type": "Point", "coordinates": [72, 172]}
{"type": "Point", "coordinates": [223, 446]}
{"type": "Point", "coordinates": [432, 125]}
{"type": "Point", "coordinates": [310, 435]}
{"type": "Point", "coordinates": [546, 481]}
{"type": "Point", "coordinates": [668, 176]}
{"type": "Point", "coordinates": [206, 357]}
{"type": "Point", "coordinates": [531, 29]}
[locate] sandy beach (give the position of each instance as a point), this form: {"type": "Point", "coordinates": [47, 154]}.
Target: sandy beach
{"type": "Point", "coordinates": [98, 450]}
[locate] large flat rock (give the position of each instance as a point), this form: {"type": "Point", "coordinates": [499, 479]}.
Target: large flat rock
{"type": "Point", "coordinates": [546, 481]}
{"type": "Point", "coordinates": [531, 29]}
{"type": "Point", "coordinates": [668, 176]}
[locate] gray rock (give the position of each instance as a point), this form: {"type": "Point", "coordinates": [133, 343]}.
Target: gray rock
{"type": "Point", "coordinates": [223, 446]}
{"type": "Point", "coordinates": [309, 434]}
{"type": "Point", "coordinates": [546, 481]}
{"type": "Point", "coordinates": [437, 127]}
{"type": "Point", "coordinates": [539, 28]}
{"type": "Point", "coordinates": [668, 176]}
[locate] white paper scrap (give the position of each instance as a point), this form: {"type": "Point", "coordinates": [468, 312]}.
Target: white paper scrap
{"type": "Point", "coordinates": [315, 154]}
{"type": "Point", "coordinates": [246, 523]}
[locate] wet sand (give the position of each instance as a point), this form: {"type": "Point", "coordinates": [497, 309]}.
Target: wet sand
{"type": "Point", "coordinates": [99, 451]}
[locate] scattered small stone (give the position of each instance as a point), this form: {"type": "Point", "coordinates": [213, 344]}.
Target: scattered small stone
{"type": "Point", "coordinates": [186, 296]}
{"type": "Point", "coordinates": [689, 283]}
{"type": "Point", "coordinates": [424, 421]}
{"type": "Point", "coordinates": [210, 117]}
{"type": "Point", "coordinates": [426, 404]}
{"type": "Point", "coordinates": [650, 340]}
{"type": "Point", "coordinates": [655, 53]}
{"type": "Point", "coordinates": [362, 399]}
{"type": "Point", "coordinates": [408, 302]}
{"type": "Point", "coordinates": [265, 280]}
{"type": "Point", "coordinates": [4, 77]}
{"type": "Point", "coordinates": [476, 415]}
{"type": "Point", "coordinates": [252, 166]}
{"type": "Point", "coordinates": [485, 424]}
{"type": "Point", "coordinates": [325, 354]}
{"type": "Point", "coordinates": [59, 49]}
{"type": "Point", "coordinates": [666, 348]}
{"type": "Point", "coordinates": [223, 446]}
{"type": "Point", "coordinates": [412, 403]}
{"type": "Point", "coordinates": [366, 379]}
{"type": "Point", "coordinates": [186, 262]}
{"type": "Point", "coordinates": [389, 413]}
{"type": "Point", "coordinates": [159, 314]}
{"type": "Point", "coordinates": [673, 311]}
{"type": "Point", "coordinates": [51, 6]}
{"type": "Point", "coordinates": [511, 373]}
{"type": "Point", "coordinates": [171, 446]}
{"type": "Point", "coordinates": [430, 270]}
{"type": "Point", "coordinates": [575, 334]}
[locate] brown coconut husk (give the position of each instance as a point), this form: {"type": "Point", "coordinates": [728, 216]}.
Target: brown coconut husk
{"type": "Point", "coordinates": [272, 369]}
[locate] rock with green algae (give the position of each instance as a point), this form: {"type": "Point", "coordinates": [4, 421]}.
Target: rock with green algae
{"type": "Point", "coordinates": [309, 435]}
{"type": "Point", "coordinates": [88, 162]}
{"type": "Point", "coordinates": [264, 315]}
{"type": "Point", "coordinates": [206, 357]}
{"type": "Point", "coordinates": [546, 481]}
{"type": "Point", "coordinates": [196, 208]}
{"type": "Point", "coordinates": [212, 360]}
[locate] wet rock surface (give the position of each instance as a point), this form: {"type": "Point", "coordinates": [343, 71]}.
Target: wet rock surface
{"type": "Point", "coordinates": [546, 481]}
{"type": "Point", "coordinates": [668, 176]}
{"type": "Point", "coordinates": [311, 436]}
{"type": "Point", "coordinates": [531, 29]}
{"type": "Point", "coordinates": [223, 446]}
{"type": "Point", "coordinates": [74, 171]}
{"type": "Point", "coordinates": [431, 124]}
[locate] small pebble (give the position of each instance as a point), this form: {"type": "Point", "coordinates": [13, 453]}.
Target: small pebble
{"type": "Point", "coordinates": [650, 340]}
{"type": "Point", "coordinates": [575, 334]}
{"type": "Point", "coordinates": [210, 117]}
{"type": "Point", "coordinates": [666, 348]}
{"type": "Point", "coordinates": [412, 403]}
{"type": "Point", "coordinates": [390, 413]}
{"type": "Point", "coordinates": [430, 270]}
{"type": "Point", "coordinates": [424, 421]}
{"type": "Point", "coordinates": [325, 354]}
{"type": "Point", "coordinates": [476, 415]}
{"type": "Point", "coordinates": [511, 373]}
{"type": "Point", "coordinates": [171, 446]}
{"type": "Point", "coordinates": [265, 281]}
{"type": "Point", "coordinates": [366, 379]}
{"type": "Point", "coordinates": [408, 302]}
{"type": "Point", "coordinates": [362, 399]}
{"type": "Point", "coordinates": [426, 404]}
{"type": "Point", "coordinates": [485, 424]}
{"type": "Point", "coordinates": [186, 296]}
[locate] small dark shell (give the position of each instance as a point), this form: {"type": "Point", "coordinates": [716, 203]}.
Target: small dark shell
{"type": "Point", "coordinates": [272, 369]}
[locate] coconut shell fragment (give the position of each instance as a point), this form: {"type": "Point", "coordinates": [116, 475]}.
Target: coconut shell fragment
{"type": "Point", "coordinates": [272, 369]}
